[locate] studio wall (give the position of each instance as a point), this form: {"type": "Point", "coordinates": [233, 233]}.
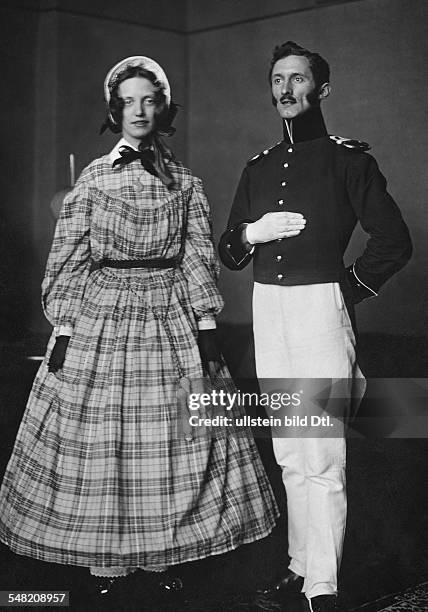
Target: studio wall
{"type": "Point", "coordinates": [18, 35]}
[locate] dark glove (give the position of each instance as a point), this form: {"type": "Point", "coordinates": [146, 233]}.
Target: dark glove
{"type": "Point", "coordinates": [57, 357]}
{"type": "Point", "coordinates": [209, 351]}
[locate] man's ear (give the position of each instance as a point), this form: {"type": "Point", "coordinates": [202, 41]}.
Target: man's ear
{"type": "Point", "coordinates": [324, 91]}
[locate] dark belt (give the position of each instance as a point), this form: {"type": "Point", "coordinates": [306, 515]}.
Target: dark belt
{"type": "Point", "coordinates": [157, 262]}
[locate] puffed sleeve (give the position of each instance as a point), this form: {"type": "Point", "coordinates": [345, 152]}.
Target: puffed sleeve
{"type": "Point", "coordinates": [389, 246]}
{"type": "Point", "coordinates": [200, 264]}
{"type": "Point", "coordinates": [69, 261]}
{"type": "Point", "coordinates": [234, 251]}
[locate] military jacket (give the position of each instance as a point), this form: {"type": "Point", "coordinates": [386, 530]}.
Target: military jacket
{"type": "Point", "coordinates": [333, 187]}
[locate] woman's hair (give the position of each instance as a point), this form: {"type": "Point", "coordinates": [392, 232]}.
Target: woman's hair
{"type": "Point", "coordinates": [164, 114]}
{"type": "Point", "coordinates": [318, 65]}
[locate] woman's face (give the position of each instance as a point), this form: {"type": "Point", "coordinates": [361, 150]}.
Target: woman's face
{"type": "Point", "coordinates": [139, 97]}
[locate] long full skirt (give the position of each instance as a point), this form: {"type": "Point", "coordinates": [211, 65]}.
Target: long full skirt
{"type": "Point", "coordinates": [101, 473]}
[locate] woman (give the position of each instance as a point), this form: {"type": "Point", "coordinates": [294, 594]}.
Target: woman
{"type": "Point", "coordinates": [105, 472]}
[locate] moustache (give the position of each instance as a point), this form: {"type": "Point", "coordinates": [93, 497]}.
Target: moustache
{"type": "Point", "coordinates": [287, 98]}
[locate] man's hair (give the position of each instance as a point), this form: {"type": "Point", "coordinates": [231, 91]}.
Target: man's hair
{"type": "Point", "coordinates": [318, 65]}
{"type": "Point", "coordinates": [164, 115]}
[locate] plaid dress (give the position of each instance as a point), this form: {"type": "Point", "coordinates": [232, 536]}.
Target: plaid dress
{"type": "Point", "coordinates": [101, 474]}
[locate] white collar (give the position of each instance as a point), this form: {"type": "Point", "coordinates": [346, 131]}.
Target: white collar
{"type": "Point", "coordinates": [114, 153]}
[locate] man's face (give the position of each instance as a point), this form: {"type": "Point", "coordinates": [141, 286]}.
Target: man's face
{"type": "Point", "coordinates": [293, 86]}
{"type": "Point", "coordinates": [139, 97]}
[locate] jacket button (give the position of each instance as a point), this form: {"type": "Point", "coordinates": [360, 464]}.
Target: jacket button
{"type": "Point", "coordinates": [283, 184]}
{"type": "Point", "coordinates": [280, 202]}
{"type": "Point", "coordinates": [278, 257]}
{"type": "Point", "coordinates": [228, 246]}
{"type": "Point", "coordinates": [279, 239]}
{"type": "Point", "coordinates": [290, 150]}
{"type": "Point", "coordinates": [285, 165]}
{"type": "Point", "coordinates": [280, 276]}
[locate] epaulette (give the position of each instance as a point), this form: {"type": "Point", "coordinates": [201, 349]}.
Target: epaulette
{"type": "Point", "coordinates": [260, 156]}
{"type": "Point", "coordinates": [356, 145]}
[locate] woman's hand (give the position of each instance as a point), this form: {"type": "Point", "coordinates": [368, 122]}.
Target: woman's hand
{"type": "Point", "coordinates": [56, 360]}
{"type": "Point", "coordinates": [209, 351]}
{"type": "Point", "coordinates": [274, 226]}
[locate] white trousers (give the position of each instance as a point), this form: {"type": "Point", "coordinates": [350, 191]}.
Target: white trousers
{"type": "Point", "coordinates": [304, 333]}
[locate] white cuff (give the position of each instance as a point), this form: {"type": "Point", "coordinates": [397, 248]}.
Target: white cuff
{"type": "Point", "coordinates": [63, 330]}
{"type": "Point", "coordinates": [248, 236]}
{"type": "Point", "coordinates": [207, 323]}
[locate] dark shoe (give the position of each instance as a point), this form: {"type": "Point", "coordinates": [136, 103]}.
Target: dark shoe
{"type": "Point", "coordinates": [290, 584]}
{"type": "Point", "coordinates": [324, 603]}
{"type": "Point", "coordinates": [272, 598]}
{"type": "Point", "coordinates": [158, 591]}
{"type": "Point", "coordinates": [169, 593]}
{"type": "Point", "coordinates": [104, 585]}
{"type": "Point", "coordinates": [170, 583]}
{"type": "Point", "coordinates": [111, 587]}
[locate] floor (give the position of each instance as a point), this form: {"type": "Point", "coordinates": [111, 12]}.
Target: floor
{"type": "Point", "coordinates": [385, 547]}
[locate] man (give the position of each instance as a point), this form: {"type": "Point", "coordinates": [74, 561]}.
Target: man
{"type": "Point", "coordinates": [294, 211]}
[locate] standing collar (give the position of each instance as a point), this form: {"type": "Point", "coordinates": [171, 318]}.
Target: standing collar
{"type": "Point", "coordinates": [308, 126]}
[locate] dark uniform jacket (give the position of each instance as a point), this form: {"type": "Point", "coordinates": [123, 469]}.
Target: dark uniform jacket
{"type": "Point", "coordinates": [333, 186]}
